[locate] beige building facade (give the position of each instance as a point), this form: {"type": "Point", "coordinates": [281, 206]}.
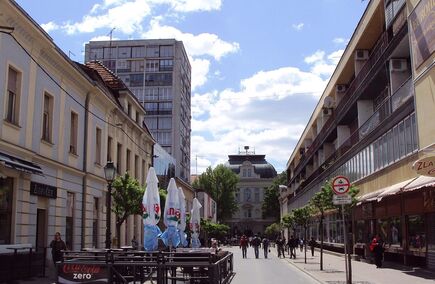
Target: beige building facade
{"type": "Point", "coordinates": [60, 123]}
{"type": "Point", "coordinates": [372, 123]}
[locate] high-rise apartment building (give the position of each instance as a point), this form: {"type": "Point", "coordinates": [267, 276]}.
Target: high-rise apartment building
{"type": "Point", "coordinates": [158, 72]}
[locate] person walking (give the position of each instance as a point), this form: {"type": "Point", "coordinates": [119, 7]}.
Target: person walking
{"type": "Point", "coordinates": [256, 243]}
{"type": "Point", "coordinates": [377, 247]}
{"type": "Point", "coordinates": [265, 244]}
{"type": "Point", "coordinates": [312, 244]}
{"type": "Point", "coordinates": [244, 245]}
{"type": "Point", "coordinates": [292, 247]}
{"type": "Point", "coordinates": [279, 244]}
{"type": "Point", "coordinates": [57, 246]}
{"type": "Point", "coordinates": [301, 244]}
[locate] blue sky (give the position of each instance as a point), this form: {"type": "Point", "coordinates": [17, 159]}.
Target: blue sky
{"type": "Point", "coordinates": [258, 67]}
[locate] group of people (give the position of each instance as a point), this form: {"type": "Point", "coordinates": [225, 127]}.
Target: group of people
{"type": "Point", "coordinates": [291, 246]}
{"type": "Point", "coordinates": [256, 242]}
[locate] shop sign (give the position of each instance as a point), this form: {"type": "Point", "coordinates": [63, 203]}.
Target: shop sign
{"type": "Point", "coordinates": [43, 190]}
{"type": "Point", "coordinates": [82, 273]}
{"type": "Point", "coordinates": [425, 166]}
{"type": "Point", "coordinates": [422, 32]}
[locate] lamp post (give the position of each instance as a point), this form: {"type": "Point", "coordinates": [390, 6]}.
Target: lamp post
{"type": "Point", "coordinates": [109, 173]}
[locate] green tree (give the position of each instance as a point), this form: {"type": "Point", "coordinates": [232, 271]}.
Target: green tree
{"type": "Point", "coordinates": [321, 202]}
{"type": "Point", "coordinates": [302, 216]}
{"type": "Point", "coordinates": [273, 230]}
{"type": "Point", "coordinates": [288, 222]}
{"type": "Point", "coordinates": [270, 206]}
{"type": "Point", "coordinates": [213, 230]}
{"type": "Point", "coordinates": [220, 183]}
{"type": "Point", "coordinates": [127, 197]}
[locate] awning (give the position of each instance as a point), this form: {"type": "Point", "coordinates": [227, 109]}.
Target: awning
{"type": "Point", "coordinates": [394, 189]}
{"type": "Point", "coordinates": [19, 164]}
{"type": "Point", "coordinates": [420, 182]}
{"type": "Point", "coordinates": [371, 196]}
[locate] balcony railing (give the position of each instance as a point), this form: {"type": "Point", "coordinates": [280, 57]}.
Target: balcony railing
{"type": "Point", "coordinates": [378, 55]}
{"type": "Point", "coordinates": [382, 114]}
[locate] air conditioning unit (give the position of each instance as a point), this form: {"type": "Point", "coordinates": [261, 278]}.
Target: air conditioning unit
{"type": "Point", "coordinates": [340, 88]}
{"type": "Point", "coordinates": [361, 54]}
{"type": "Point", "coordinates": [398, 65]}
{"type": "Point", "coordinates": [328, 102]}
{"type": "Point", "coordinates": [327, 111]}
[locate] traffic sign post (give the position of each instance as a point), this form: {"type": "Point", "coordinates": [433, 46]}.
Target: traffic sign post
{"type": "Point", "coordinates": [340, 187]}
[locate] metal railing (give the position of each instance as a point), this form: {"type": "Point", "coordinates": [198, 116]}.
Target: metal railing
{"type": "Point", "coordinates": [377, 56]}
{"type": "Point", "coordinates": [138, 267]}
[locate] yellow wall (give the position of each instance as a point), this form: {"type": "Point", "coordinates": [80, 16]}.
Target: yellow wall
{"type": "Point", "coordinates": [425, 108]}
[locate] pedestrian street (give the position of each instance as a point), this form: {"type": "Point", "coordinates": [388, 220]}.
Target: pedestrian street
{"type": "Point", "coordinates": [261, 270]}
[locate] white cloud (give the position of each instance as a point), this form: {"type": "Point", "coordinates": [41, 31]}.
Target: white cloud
{"type": "Point", "coordinates": [298, 27]}
{"type": "Point", "coordinates": [340, 40]}
{"type": "Point", "coordinates": [194, 5]}
{"type": "Point", "coordinates": [200, 69]}
{"type": "Point", "coordinates": [50, 26]}
{"type": "Point", "coordinates": [196, 45]}
{"type": "Point", "coordinates": [268, 112]}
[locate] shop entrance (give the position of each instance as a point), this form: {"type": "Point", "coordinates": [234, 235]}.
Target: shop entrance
{"type": "Point", "coordinates": [41, 229]}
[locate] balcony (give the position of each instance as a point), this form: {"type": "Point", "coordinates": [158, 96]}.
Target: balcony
{"type": "Point", "coordinates": [381, 115]}
{"type": "Point", "coordinates": [378, 56]}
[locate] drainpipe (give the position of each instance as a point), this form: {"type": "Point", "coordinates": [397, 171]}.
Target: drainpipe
{"type": "Point", "coordinates": [85, 169]}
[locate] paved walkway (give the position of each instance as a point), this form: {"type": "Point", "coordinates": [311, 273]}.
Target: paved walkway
{"type": "Point", "coordinates": [364, 273]}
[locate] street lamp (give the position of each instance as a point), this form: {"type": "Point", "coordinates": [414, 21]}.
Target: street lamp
{"type": "Point", "coordinates": [109, 173]}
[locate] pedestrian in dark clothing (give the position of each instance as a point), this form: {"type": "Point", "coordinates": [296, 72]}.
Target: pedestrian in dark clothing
{"type": "Point", "coordinates": [57, 246]}
{"type": "Point", "coordinates": [256, 243]}
{"type": "Point", "coordinates": [377, 247]}
{"type": "Point", "coordinates": [265, 244]}
{"type": "Point", "coordinates": [244, 245]}
{"type": "Point", "coordinates": [279, 246]}
{"type": "Point", "coordinates": [292, 247]}
{"type": "Point", "coordinates": [312, 244]}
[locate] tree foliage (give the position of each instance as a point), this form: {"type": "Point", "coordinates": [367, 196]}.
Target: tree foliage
{"type": "Point", "coordinates": [214, 230]}
{"type": "Point", "coordinates": [270, 207]}
{"type": "Point", "coordinates": [127, 197]}
{"type": "Point", "coordinates": [220, 183]}
{"type": "Point", "coordinates": [273, 230]}
{"type": "Point", "coordinates": [288, 221]}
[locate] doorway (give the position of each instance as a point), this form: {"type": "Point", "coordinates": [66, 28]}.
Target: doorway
{"type": "Point", "coordinates": [41, 229]}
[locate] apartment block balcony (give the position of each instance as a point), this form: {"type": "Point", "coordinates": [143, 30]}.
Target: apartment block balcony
{"type": "Point", "coordinates": [379, 54]}
{"type": "Point", "coordinates": [381, 115]}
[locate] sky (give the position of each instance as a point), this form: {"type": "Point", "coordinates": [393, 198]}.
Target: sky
{"type": "Point", "coordinates": [258, 67]}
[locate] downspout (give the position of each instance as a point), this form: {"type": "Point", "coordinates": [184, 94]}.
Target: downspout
{"type": "Point", "coordinates": [85, 169]}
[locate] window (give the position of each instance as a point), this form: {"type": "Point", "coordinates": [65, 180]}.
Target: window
{"type": "Point", "coordinates": [109, 52]}
{"type": "Point", "coordinates": [127, 166]}
{"type": "Point", "coordinates": [244, 172]}
{"type": "Point", "coordinates": [137, 66]}
{"type": "Point", "coordinates": [73, 133]}
{"type": "Point", "coordinates": [165, 108]}
{"type": "Point", "coordinates": [136, 80]}
{"type": "Point", "coordinates": [6, 201]}
{"type": "Point", "coordinates": [158, 79]}
{"type": "Point", "coordinates": [129, 109]}
{"type": "Point", "coordinates": [13, 96]}
{"type": "Point", "coordinates": [257, 195]}
{"type": "Point", "coordinates": [143, 171]}
{"type": "Point", "coordinates": [151, 94]}
{"type": "Point", "coordinates": [95, 222]}
{"type": "Point", "coordinates": [47, 118]}
{"type": "Point", "coordinates": [69, 220]}
{"type": "Point", "coordinates": [416, 233]}
{"type": "Point", "coordinates": [152, 66]}
{"type": "Point", "coordinates": [138, 51]}
{"type": "Point", "coordinates": [165, 93]}
{"type": "Point", "coordinates": [111, 64]}
{"type": "Point", "coordinates": [164, 138]}
{"type": "Point", "coordinates": [249, 172]}
{"type": "Point", "coordinates": [124, 52]}
{"type": "Point", "coordinates": [166, 50]}
{"type": "Point", "coordinates": [118, 158]}
{"type": "Point", "coordinates": [136, 167]}
{"type": "Point", "coordinates": [109, 149]}
{"type": "Point", "coordinates": [98, 146]}
{"type": "Point", "coordinates": [152, 51]}
{"type": "Point", "coordinates": [165, 123]}
{"type": "Point", "coordinates": [123, 66]}
{"type": "Point", "coordinates": [166, 65]}
{"type": "Point", "coordinates": [96, 53]}
{"type": "Point", "coordinates": [247, 194]}
{"type": "Point", "coordinates": [151, 122]}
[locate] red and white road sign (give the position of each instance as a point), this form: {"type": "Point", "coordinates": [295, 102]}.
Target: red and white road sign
{"type": "Point", "coordinates": [340, 185]}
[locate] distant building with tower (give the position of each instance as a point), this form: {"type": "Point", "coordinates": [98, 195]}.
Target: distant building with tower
{"type": "Point", "coordinates": [256, 175]}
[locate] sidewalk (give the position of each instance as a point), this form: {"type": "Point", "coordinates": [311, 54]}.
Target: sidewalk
{"type": "Point", "coordinates": [362, 273]}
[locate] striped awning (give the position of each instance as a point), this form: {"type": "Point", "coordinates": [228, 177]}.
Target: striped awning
{"type": "Point", "coordinates": [13, 162]}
